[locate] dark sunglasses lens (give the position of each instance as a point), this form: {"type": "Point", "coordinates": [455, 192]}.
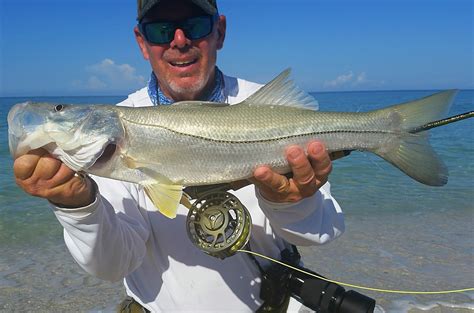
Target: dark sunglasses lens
{"type": "Point", "coordinates": [197, 27]}
{"type": "Point", "coordinates": [163, 32]}
{"type": "Point", "coordinates": [159, 33]}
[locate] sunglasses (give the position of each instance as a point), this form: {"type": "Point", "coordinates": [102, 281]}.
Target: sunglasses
{"type": "Point", "coordinates": [159, 33]}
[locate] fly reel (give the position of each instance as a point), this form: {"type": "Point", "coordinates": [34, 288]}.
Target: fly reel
{"type": "Point", "coordinates": [218, 224]}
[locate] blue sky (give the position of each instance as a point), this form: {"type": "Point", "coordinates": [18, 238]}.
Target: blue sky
{"type": "Point", "coordinates": [71, 47]}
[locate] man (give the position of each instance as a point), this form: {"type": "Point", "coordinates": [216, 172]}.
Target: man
{"type": "Point", "coordinates": [112, 229]}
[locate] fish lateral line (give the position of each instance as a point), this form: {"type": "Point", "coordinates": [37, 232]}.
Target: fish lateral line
{"type": "Point", "coordinates": [337, 131]}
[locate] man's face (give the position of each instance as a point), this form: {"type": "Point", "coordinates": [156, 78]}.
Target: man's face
{"type": "Point", "coordinates": [184, 67]}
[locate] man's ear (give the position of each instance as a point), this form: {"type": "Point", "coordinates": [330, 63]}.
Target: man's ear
{"type": "Point", "coordinates": [221, 28]}
{"type": "Point", "coordinates": [141, 43]}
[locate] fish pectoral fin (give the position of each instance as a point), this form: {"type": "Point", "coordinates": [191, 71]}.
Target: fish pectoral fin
{"type": "Point", "coordinates": [129, 161]}
{"type": "Point", "coordinates": [165, 197]}
{"type": "Point", "coordinates": [135, 164]}
{"type": "Point", "coordinates": [147, 168]}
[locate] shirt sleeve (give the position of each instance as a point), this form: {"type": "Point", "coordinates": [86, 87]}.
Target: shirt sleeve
{"type": "Point", "coordinates": [111, 230]}
{"type": "Point", "coordinates": [314, 220]}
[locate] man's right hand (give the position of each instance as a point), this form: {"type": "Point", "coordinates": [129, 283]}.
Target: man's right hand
{"type": "Point", "coordinates": [41, 175]}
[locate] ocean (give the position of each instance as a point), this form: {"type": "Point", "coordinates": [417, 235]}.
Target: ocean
{"type": "Point", "coordinates": [399, 234]}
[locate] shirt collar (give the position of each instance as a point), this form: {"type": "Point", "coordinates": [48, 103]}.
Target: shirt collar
{"type": "Point", "coordinates": [158, 98]}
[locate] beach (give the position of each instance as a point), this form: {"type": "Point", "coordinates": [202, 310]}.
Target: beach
{"type": "Point", "coordinates": [399, 234]}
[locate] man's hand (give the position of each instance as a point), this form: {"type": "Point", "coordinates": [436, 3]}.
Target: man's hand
{"type": "Point", "coordinates": [310, 172]}
{"type": "Point", "coordinates": [41, 175]}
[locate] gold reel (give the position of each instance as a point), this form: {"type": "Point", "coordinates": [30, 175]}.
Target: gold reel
{"type": "Point", "coordinates": [218, 224]}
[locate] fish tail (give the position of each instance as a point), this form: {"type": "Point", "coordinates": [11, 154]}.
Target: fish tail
{"type": "Point", "coordinates": [411, 151]}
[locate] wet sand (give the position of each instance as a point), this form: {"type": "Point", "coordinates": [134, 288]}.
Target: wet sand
{"type": "Point", "coordinates": [39, 280]}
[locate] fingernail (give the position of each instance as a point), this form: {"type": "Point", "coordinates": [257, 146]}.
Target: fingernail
{"type": "Point", "coordinates": [293, 153]}
{"type": "Point", "coordinates": [316, 147]}
{"type": "Point", "coordinates": [261, 173]}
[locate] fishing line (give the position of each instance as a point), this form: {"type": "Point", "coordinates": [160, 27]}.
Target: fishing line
{"type": "Point", "coordinates": [357, 286]}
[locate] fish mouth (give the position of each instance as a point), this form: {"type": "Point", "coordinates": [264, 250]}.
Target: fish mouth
{"type": "Point", "coordinates": [24, 123]}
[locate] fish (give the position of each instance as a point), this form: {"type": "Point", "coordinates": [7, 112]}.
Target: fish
{"type": "Point", "coordinates": [196, 143]}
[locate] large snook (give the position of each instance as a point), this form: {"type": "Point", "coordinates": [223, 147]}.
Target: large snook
{"type": "Point", "coordinates": [200, 143]}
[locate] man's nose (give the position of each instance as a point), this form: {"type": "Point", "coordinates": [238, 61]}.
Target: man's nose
{"type": "Point", "coordinates": [180, 40]}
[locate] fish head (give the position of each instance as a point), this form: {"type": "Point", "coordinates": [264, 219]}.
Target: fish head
{"type": "Point", "coordinates": [78, 135]}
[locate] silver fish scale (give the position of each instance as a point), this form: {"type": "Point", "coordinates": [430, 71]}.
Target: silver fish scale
{"type": "Point", "coordinates": [254, 123]}
{"type": "Point", "coordinates": [203, 145]}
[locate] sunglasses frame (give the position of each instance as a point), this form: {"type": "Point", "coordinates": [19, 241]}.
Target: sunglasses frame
{"type": "Point", "coordinates": [142, 26]}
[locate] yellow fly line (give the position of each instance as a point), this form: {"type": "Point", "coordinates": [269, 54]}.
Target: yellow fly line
{"type": "Point", "coordinates": [357, 286]}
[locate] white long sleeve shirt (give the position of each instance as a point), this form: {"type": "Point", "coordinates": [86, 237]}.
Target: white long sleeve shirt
{"type": "Point", "coordinates": [122, 236]}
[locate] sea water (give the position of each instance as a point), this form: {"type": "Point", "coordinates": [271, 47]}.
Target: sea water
{"type": "Point", "coordinates": [399, 234]}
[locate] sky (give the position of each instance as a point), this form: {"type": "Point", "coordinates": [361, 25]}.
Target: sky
{"type": "Point", "coordinates": [72, 47]}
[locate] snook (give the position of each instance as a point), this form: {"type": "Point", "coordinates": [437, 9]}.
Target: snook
{"type": "Point", "coordinates": [199, 143]}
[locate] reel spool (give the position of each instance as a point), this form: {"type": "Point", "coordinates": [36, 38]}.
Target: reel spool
{"type": "Point", "coordinates": [218, 224]}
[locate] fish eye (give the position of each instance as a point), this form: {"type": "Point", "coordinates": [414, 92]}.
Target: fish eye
{"type": "Point", "coordinates": [58, 108]}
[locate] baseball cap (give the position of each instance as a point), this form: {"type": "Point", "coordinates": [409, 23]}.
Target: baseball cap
{"type": "Point", "coordinates": [143, 6]}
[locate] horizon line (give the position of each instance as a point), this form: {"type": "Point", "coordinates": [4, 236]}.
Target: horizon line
{"type": "Point", "coordinates": [321, 91]}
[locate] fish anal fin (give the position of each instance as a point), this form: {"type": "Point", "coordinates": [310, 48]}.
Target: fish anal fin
{"type": "Point", "coordinates": [165, 197]}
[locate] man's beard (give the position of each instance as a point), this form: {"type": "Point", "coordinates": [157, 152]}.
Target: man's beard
{"type": "Point", "coordinates": [196, 87]}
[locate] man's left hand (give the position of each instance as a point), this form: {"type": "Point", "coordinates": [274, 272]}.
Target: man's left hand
{"type": "Point", "coordinates": [310, 172]}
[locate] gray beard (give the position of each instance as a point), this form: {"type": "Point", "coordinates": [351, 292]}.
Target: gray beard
{"type": "Point", "coordinates": [195, 88]}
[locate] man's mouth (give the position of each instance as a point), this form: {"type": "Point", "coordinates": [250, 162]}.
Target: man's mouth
{"type": "Point", "coordinates": [183, 63]}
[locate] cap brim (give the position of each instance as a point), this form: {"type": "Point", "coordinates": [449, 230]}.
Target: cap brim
{"type": "Point", "coordinates": [203, 4]}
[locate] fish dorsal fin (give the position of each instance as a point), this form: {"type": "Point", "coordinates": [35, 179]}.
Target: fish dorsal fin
{"type": "Point", "coordinates": [282, 91]}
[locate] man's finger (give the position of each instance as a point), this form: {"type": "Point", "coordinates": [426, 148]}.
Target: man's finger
{"type": "Point", "coordinates": [300, 166]}
{"type": "Point", "coordinates": [303, 173]}
{"type": "Point", "coordinates": [47, 167]}
{"type": "Point", "coordinates": [63, 175]}
{"type": "Point", "coordinates": [25, 165]}
{"type": "Point", "coordinates": [272, 180]}
{"type": "Point", "coordinates": [320, 161]}
{"type": "Point", "coordinates": [318, 156]}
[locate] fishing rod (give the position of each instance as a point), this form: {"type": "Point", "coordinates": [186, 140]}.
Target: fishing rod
{"type": "Point", "coordinates": [442, 122]}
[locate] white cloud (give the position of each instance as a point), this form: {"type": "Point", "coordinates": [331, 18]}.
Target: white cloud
{"type": "Point", "coordinates": [95, 83]}
{"type": "Point", "coordinates": [350, 79]}
{"type": "Point", "coordinates": [107, 75]}
{"type": "Point", "coordinates": [340, 80]}
{"type": "Point", "coordinates": [361, 78]}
